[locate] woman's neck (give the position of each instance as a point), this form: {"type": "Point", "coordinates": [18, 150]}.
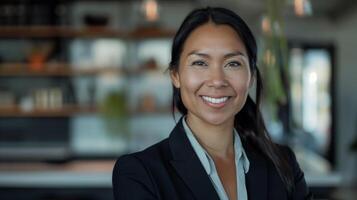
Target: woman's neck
{"type": "Point", "coordinates": [217, 140]}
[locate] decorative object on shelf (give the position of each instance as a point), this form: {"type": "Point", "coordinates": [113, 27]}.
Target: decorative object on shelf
{"type": "Point", "coordinates": [150, 92]}
{"type": "Point", "coordinates": [97, 53]}
{"type": "Point", "coordinates": [26, 104]}
{"type": "Point", "coordinates": [115, 113]}
{"type": "Point", "coordinates": [147, 103]}
{"type": "Point", "coordinates": [149, 65]}
{"type": "Point", "coordinates": [97, 21]}
{"type": "Point", "coordinates": [48, 98]}
{"type": "Point", "coordinates": [150, 9]}
{"type": "Point", "coordinates": [303, 8]}
{"type": "Point", "coordinates": [38, 55]}
{"type": "Point", "coordinates": [155, 49]}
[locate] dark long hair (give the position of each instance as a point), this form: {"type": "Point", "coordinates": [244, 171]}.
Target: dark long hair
{"type": "Point", "coordinates": [248, 121]}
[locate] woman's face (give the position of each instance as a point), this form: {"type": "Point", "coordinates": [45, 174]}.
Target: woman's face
{"type": "Point", "coordinates": [213, 75]}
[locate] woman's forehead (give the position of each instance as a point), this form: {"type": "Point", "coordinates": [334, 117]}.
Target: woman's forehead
{"type": "Point", "coordinates": [212, 38]}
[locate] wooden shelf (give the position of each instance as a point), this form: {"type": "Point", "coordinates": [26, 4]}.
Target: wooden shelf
{"type": "Point", "coordinates": [70, 32]}
{"type": "Point", "coordinates": [73, 166]}
{"type": "Point", "coordinates": [57, 31]}
{"type": "Point", "coordinates": [65, 111]}
{"type": "Point", "coordinates": [160, 111]}
{"type": "Point", "coordinates": [75, 174]}
{"type": "Point", "coordinates": [151, 32]}
{"type": "Point", "coordinates": [70, 110]}
{"type": "Point", "coordinates": [53, 69]}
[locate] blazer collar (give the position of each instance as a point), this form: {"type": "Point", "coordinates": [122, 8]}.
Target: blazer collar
{"type": "Point", "coordinates": [188, 165]}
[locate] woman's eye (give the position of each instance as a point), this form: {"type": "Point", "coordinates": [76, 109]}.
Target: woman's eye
{"type": "Point", "coordinates": [234, 64]}
{"type": "Point", "coordinates": [199, 63]}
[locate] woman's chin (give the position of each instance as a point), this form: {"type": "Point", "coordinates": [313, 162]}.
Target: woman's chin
{"type": "Point", "coordinates": [217, 120]}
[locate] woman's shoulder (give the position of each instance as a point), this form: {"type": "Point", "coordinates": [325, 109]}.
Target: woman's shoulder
{"type": "Point", "coordinates": [154, 153]}
{"type": "Point", "coordinates": [301, 190]}
{"type": "Point", "coordinates": [298, 174]}
{"type": "Point", "coordinates": [288, 153]}
{"type": "Point", "coordinates": [132, 176]}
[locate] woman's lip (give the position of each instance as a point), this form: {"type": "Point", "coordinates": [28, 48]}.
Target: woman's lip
{"type": "Point", "coordinates": [216, 97]}
{"type": "Point", "coordinates": [215, 105]}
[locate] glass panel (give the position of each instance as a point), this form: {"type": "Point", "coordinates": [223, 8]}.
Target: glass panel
{"type": "Point", "coordinates": [311, 99]}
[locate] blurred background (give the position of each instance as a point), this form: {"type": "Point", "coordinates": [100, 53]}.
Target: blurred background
{"type": "Point", "coordinates": [83, 82]}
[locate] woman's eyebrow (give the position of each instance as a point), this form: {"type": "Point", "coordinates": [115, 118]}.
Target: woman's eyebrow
{"type": "Point", "coordinates": [228, 55]}
{"type": "Point", "coordinates": [197, 53]}
{"type": "Point", "coordinates": [236, 53]}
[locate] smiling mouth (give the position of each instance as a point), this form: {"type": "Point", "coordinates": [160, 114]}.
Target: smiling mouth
{"type": "Point", "coordinates": [217, 101]}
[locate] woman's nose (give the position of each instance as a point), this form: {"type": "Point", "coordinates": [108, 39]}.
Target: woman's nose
{"type": "Point", "coordinates": [217, 78]}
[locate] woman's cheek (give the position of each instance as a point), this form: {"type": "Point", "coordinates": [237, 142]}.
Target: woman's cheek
{"type": "Point", "coordinates": [193, 80]}
{"type": "Point", "coordinates": [241, 82]}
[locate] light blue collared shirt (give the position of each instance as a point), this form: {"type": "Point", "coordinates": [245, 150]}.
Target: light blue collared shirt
{"type": "Point", "coordinates": [241, 162]}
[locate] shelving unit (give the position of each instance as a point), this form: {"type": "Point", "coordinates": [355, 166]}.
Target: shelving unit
{"type": "Point", "coordinates": [67, 148]}
{"type": "Point", "coordinates": [70, 32]}
{"type": "Point", "coordinates": [60, 71]}
{"type": "Point", "coordinates": [65, 69]}
{"type": "Point", "coordinates": [54, 69]}
{"type": "Point", "coordinates": [64, 111]}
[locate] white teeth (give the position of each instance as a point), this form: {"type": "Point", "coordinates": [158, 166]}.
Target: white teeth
{"type": "Point", "coordinates": [215, 100]}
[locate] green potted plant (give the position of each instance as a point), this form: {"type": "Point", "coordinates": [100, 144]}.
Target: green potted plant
{"type": "Point", "coordinates": [273, 63]}
{"type": "Point", "coordinates": [115, 113]}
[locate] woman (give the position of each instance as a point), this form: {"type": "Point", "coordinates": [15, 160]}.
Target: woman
{"type": "Point", "coordinates": [220, 148]}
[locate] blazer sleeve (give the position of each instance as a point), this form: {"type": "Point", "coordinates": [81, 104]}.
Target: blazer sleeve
{"type": "Point", "coordinates": [131, 181]}
{"type": "Point", "coordinates": [301, 191]}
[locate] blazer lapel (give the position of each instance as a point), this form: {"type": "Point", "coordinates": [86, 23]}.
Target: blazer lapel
{"type": "Point", "coordinates": [257, 177]}
{"type": "Point", "coordinates": [188, 165]}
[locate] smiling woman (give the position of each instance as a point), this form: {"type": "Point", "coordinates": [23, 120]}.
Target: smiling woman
{"type": "Point", "coordinates": [213, 76]}
{"type": "Point", "coordinates": [220, 148]}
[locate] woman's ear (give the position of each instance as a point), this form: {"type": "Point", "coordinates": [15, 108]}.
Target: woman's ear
{"type": "Point", "coordinates": [175, 78]}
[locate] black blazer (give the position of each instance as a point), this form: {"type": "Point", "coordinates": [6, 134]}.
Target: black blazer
{"type": "Point", "coordinates": [170, 170]}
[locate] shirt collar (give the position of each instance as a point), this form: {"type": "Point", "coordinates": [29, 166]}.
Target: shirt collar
{"type": "Point", "coordinates": [199, 150]}
{"type": "Point", "coordinates": [205, 158]}
{"type": "Point", "coordinates": [240, 154]}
